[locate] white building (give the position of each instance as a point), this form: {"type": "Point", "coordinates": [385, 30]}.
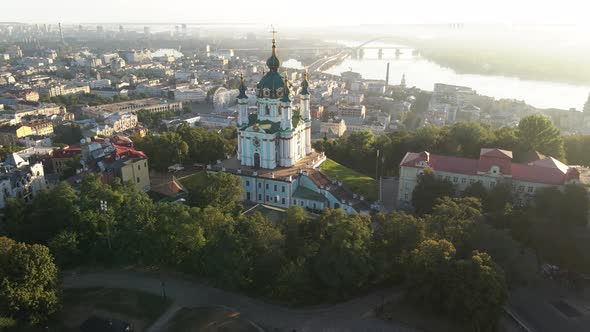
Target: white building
{"type": "Point", "coordinates": [19, 179]}
{"type": "Point", "coordinates": [190, 95]}
{"type": "Point", "coordinates": [494, 166]}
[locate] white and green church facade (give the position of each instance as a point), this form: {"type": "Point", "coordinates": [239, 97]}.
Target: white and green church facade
{"type": "Point", "coordinates": [275, 159]}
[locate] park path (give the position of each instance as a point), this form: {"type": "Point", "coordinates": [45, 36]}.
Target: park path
{"type": "Point", "coordinates": [354, 315]}
{"type": "Point", "coordinates": [159, 324]}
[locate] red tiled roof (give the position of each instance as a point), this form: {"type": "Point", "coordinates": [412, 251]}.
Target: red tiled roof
{"type": "Point", "coordinates": [495, 153]}
{"type": "Point", "coordinates": [548, 170]}
{"type": "Point", "coordinates": [128, 152]}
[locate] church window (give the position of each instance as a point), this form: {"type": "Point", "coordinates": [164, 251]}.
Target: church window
{"type": "Point", "coordinates": [267, 186]}
{"type": "Point", "coordinates": [259, 197]}
{"type": "Point", "coordinates": [455, 179]}
{"type": "Point", "coordinates": [530, 189]}
{"type": "Point", "coordinates": [521, 188]}
{"type": "Point", "coordinates": [248, 196]}
{"type": "Point", "coordinates": [283, 201]}
{"type": "Point", "coordinates": [492, 184]}
{"type": "Point", "coordinates": [267, 198]}
{"type": "Point", "coordinates": [259, 185]}
{"type": "Point", "coordinates": [276, 199]}
{"type": "Point", "coordinates": [247, 183]}
{"type": "Point", "coordinates": [275, 187]}
{"type": "Point", "coordinates": [267, 109]}
{"type": "Point", "coordinates": [295, 201]}
{"type": "Point", "coordinates": [283, 189]}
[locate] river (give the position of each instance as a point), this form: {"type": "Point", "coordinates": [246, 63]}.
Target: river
{"type": "Point", "coordinates": [423, 73]}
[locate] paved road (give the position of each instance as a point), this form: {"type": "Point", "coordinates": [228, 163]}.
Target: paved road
{"type": "Point", "coordinates": [355, 315]}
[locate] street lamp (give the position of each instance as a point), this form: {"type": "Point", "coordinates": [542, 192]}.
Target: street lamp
{"type": "Point", "coordinates": [104, 209]}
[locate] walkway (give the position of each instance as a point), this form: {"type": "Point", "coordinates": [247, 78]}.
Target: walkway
{"type": "Point", "coordinates": [355, 315]}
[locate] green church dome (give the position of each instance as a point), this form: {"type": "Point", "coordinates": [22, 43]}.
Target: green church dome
{"type": "Point", "coordinates": [272, 85]}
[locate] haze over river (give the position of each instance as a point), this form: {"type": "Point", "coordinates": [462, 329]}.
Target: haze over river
{"type": "Point", "coordinates": [423, 73]}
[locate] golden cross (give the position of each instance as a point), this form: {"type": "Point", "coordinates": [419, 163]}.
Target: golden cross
{"type": "Point", "coordinates": [273, 31]}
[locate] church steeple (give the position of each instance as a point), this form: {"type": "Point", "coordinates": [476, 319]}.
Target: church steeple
{"type": "Point", "coordinates": [242, 88]}
{"type": "Point", "coordinates": [304, 85]}
{"type": "Point", "coordinates": [286, 92]}
{"type": "Point", "coordinates": [273, 62]}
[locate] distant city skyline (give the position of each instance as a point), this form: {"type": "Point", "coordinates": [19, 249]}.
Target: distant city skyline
{"type": "Point", "coordinates": [300, 13]}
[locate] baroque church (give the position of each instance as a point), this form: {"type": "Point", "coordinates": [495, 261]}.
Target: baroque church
{"type": "Point", "coordinates": [276, 135]}
{"type": "Point", "coordinates": [275, 160]}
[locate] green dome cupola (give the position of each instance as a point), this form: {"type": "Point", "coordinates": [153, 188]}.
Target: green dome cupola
{"type": "Point", "coordinates": [273, 62]}
{"type": "Point", "coordinates": [271, 85]}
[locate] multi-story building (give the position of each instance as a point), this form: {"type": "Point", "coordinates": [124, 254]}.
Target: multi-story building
{"type": "Point", "coordinates": [494, 166]}
{"type": "Point", "coordinates": [352, 111]}
{"type": "Point", "coordinates": [41, 127]}
{"type": "Point", "coordinates": [61, 159]}
{"type": "Point", "coordinates": [136, 56]}
{"type": "Point", "coordinates": [190, 95]}
{"type": "Point", "coordinates": [65, 90]}
{"type": "Point", "coordinates": [116, 161]}
{"type": "Point", "coordinates": [333, 128]}
{"type": "Point", "coordinates": [18, 179]}
{"type": "Point", "coordinates": [151, 104]}
{"type": "Point", "coordinates": [9, 134]}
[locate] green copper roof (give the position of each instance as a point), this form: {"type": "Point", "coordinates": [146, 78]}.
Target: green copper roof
{"type": "Point", "coordinates": [268, 126]}
{"type": "Point", "coordinates": [273, 81]}
{"type": "Point", "coordinates": [305, 193]}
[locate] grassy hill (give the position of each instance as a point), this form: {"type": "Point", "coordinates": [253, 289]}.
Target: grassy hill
{"type": "Point", "coordinates": [351, 179]}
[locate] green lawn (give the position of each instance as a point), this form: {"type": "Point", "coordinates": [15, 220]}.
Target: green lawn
{"type": "Point", "coordinates": [351, 179]}
{"type": "Point", "coordinates": [194, 180]}
{"type": "Point", "coordinates": [208, 319]}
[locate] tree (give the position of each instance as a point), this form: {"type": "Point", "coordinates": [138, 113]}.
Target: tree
{"type": "Point", "coordinates": [537, 133]}
{"type": "Point", "coordinates": [395, 236]}
{"type": "Point", "coordinates": [577, 149]}
{"type": "Point", "coordinates": [453, 219]}
{"type": "Point", "coordinates": [428, 274]}
{"type": "Point", "coordinates": [68, 134]}
{"type": "Point", "coordinates": [342, 264]}
{"type": "Point", "coordinates": [222, 190]}
{"type": "Point", "coordinates": [428, 190]}
{"type": "Point", "coordinates": [28, 282]}
{"type": "Point", "coordinates": [293, 228]}
{"type": "Point", "coordinates": [477, 292]}
{"type": "Point", "coordinates": [65, 247]}
{"type": "Point", "coordinates": [469, 137]}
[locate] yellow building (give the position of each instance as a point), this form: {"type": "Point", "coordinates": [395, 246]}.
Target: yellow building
{"type": "Point", "coordinates": [41, 127]}
{"type": "Point", "coordinates": [9, 134]}
{"type": "Point", "coordinates": [134, 170]}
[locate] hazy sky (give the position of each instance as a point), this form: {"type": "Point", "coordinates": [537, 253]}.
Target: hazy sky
{"type": "Point", "coordinates": [298, 12]}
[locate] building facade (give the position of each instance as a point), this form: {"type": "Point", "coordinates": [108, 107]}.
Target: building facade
{"type": "Point", "coordinates": [493, 167]}
{"type": "Point", "coordinates": [18, 179]}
